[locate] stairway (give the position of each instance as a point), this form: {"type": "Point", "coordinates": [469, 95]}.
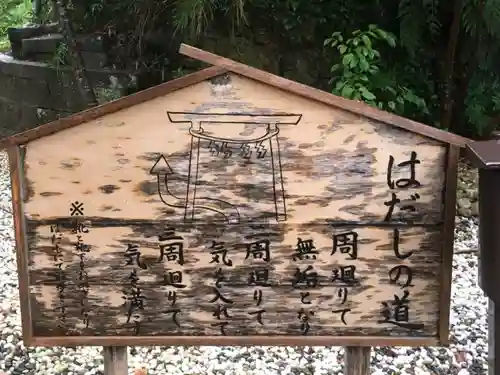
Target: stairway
{"type": "Point", "coordinates": [35, 88]}
{"type": "Point", "coordinates": [44, 43]}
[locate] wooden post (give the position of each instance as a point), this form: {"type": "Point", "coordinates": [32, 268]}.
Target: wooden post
{"type": "Point", "coordinates": [493, 365]}
{"type": "Point", "coordinates": [493, 331]}
{"type": "Point", "coordinates": [115, 360]}
{"type": "Point", "coordinates": [357, 360]}
{"type": "Point", "coordinates": [491, 337]}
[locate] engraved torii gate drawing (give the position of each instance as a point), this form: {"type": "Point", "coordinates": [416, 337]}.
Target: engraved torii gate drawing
{"type": "Point", "coordinates": [208, 131]}
{"type": "Point", "coordinates": [308, 218]}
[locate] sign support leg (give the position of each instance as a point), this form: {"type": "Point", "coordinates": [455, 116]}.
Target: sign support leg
{"type": "Point", "coordinates": [493, 333]}
{"type": "Point", "coordinates": [357, 360]}
{"type": "Point", "coordinates": [115, 360]}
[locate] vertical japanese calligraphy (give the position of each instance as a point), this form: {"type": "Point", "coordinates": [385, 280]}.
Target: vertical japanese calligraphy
{"type": "Point", "coordinates": [305, 278]}
{"type": "Point", "coordinates": [404, 204]}
{"type": "Point", "coordinates": [83, 283]}
{"type": "Point", "coordinates": [307, 285]}
{"type": "Point", "coordinates": [132, 293]}
{"type": "Point", "coordinates": [397, 310]}
{"type": "Point", "coordinates": [259, 252]}
{"type": "Point", "coordinates": [344, 276]}
{"type": "Point", "coordinates": [60, 276]}
{"type": "Point", "coordinates": [219, 254]}
{"type": "Point", "coordinates": [172, 252]}
{"type": "Point", "coordinates": [243, 216]}
{"type": "Point", "coordinates": [171, 247]}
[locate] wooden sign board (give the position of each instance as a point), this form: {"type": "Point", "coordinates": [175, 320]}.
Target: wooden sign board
{"type": "Point", "coordinates": [220, 210]}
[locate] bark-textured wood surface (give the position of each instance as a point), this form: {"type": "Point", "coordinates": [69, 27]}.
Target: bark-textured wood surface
{"type": "Point", "coordinates": [357, 360]}
{"type": "Point", "coordinates": [115, 360]}
{"type": "Point", "coordinates": [232, 164]}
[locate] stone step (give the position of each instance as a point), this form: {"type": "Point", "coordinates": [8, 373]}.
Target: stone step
{"type": "Point", "coordinates": [17, 34]}
{"type": "Point", "coordinates": [48, 43]}
{"type": "Point", "coordinates": [26, 48]}
{"type": "Point", "coordinates": [51, 75]}
{"type": "Point", "coordinates": [91, 60]}
{"type": "Point", "coordinates": [46, 48]}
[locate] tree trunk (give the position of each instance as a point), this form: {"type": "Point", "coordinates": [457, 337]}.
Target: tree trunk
{"type": "Point", "coordinates": [449, 67]}
{"type": "Point", "coordinates": [468, 68]}
{"type": "Point", "coordinates": [88, 96]}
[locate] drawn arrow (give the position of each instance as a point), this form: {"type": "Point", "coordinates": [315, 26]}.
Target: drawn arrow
{"type": "Point", "coordinates": [162, 170]}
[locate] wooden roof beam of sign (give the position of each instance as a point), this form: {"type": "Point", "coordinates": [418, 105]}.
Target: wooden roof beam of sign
{"type": "Point", "coordinates": [111, 107]}
{"type": "Point", "coordinates": [355, 107]}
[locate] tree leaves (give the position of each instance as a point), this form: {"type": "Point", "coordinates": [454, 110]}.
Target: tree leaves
{"type": "Point", "coordinates": [358, 75]}
{"type": "Point", "coordinates": [491, 17]}
{"type": "Point", "coordinates": [411, 24]}
{"type": "Point", "coordinates": [12, 13]}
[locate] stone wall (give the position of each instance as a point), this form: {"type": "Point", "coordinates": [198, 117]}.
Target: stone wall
{"type": "Point", "coordinates": [34, 93]}
{"type": "Point", "coordinates": [37, 86]}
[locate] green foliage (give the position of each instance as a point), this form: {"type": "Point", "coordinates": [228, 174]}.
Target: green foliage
{"type": "Point", "coordinates": [61, 56]}
{"type": "Point", "coordinates": [195, 15]}
{"type": "Point", "coordinates": [483, 99]}
{"type": "Point", "coordinates": [134, 24]}
{"type": "Point", "coordinates": [359, 74]}
{"type": "Point", "coordinates": [434, 61]}
{"type": "Point", "coordinates": [12, 13]}
{"type": "Point", "coordinates": [418, 19]}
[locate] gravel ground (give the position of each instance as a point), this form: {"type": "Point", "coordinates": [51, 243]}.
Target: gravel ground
{"type": "Point", "coordinates": [467, 354]}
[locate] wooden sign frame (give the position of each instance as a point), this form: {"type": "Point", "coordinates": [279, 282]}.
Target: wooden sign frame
{"type": "Point", "coordinates": [222, 65]}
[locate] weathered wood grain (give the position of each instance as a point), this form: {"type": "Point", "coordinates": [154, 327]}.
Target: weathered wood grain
{"type": "Point", "coordinates": [334, 164]}
{"type": "Point", "coordinates": [115, 360]}
{"type": "Point", "coordinates": [233, 161]}
{"type": "Point", "coordinates": [450, 199]}
{"type": "Point", "coordinates": [357, 360]}
{"type": "Point", "coordinates": [353, 106]}
{"type": "Point", "coordinates": [108, 273]}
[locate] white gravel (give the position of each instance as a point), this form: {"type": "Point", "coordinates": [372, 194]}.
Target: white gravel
{"type": "Point", "coordinates": [467, 354]}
